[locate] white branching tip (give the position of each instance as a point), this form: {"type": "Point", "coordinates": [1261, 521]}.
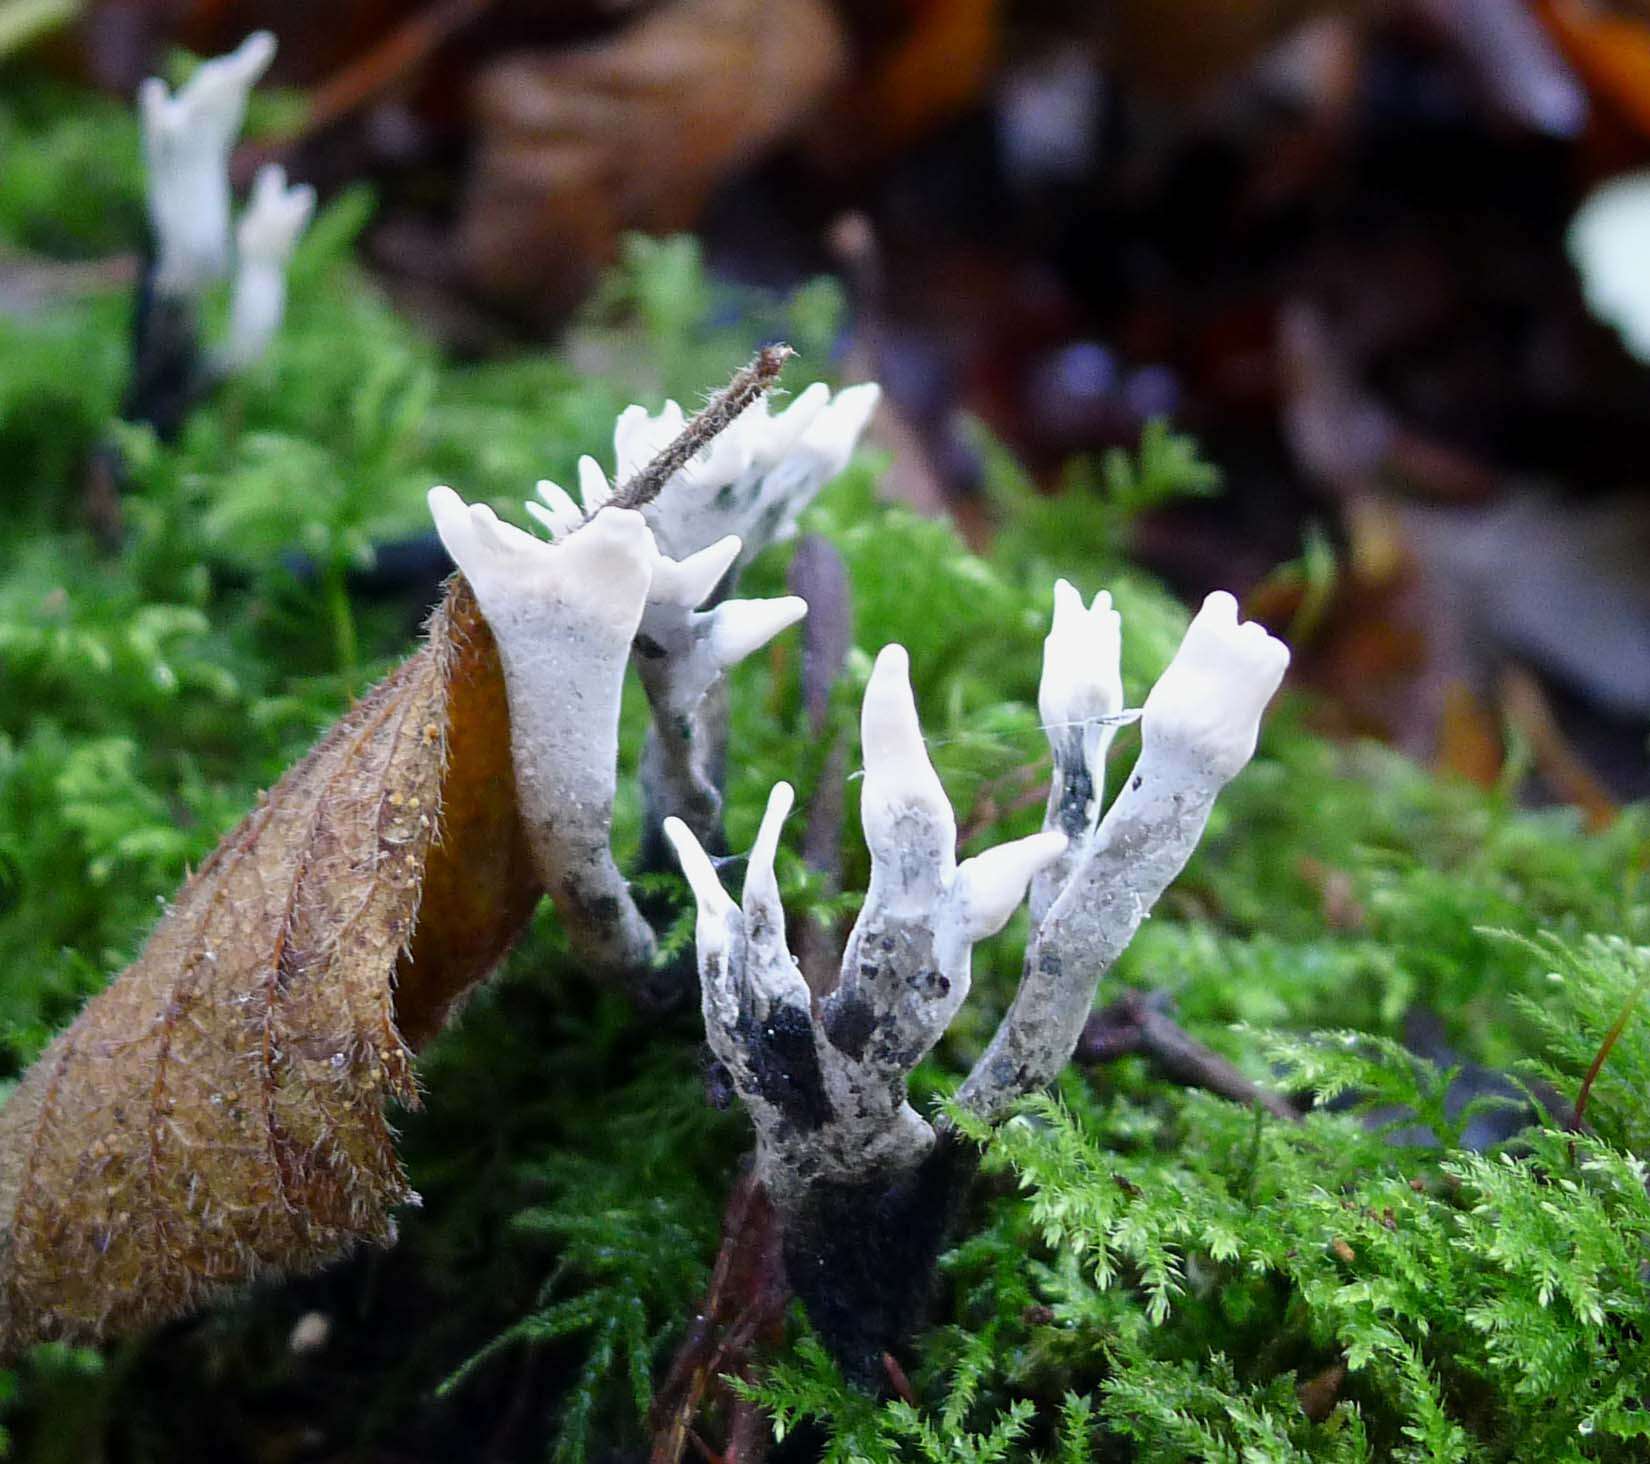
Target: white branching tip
{"type": "Point", "coordinates": [1609, 240]}
{"type": "Point", "coordinates": [639, 438]}
{"type": "Point", "coordinates": [689, 582]}
{"type": "Point", "coordinates": [909, 825]}
{"type": "Point", "coordinates": [1207, 705]}
{"type": "Point", "coordinates": [605, 567]}
{"type": "Point", "coordinates": [990, 886]}
{"type": "Point", "coordinates": [835, 430]}
{"type": "Point", "coordinates": [1082, 681]}
{"type": "Point", "coordinates": [594, 489]}
{"type": "Point", "coordinates": [275, 216]}
{"type": "Point", "coordinates": [266, 236]}
{"type": "Point", "coordinates": [753, 479]}
{"type": "Point", "coordinates": [738, 627]}
{"type": "Point", "coordinates": [556, 511]}
{"type": "Point", "coordinates": [764, 914]}
{"type": "Point", "coordinates": [716, 930]}
{"type": "Point", "coordinates": [186, 142]}
{"type": "Point", "coordinates": [700, 873]}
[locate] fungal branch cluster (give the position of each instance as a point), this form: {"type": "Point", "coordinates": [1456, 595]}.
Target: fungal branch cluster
{"type": "Point", "coordinates": [188, 138]}
{"type": "Point", "coordinates": [840, 1149]}
{"type": "Point", "coordinates": [650, 585]}
{"type": "Point", "coordinates": [825, 1083]}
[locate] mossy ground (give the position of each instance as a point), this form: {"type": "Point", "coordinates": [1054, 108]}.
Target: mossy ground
{"type": "Point", "coordinates": [1146, 1273]}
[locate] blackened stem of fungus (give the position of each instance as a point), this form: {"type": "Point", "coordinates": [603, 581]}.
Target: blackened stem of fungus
{"type": "Point", "coordinates": [747, 385]}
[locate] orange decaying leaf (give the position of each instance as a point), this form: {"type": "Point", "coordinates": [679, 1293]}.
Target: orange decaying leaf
{"type": "Point", "coordinates": [218, 1111]}
{"type": "Point", "coordinates": [479, 884]}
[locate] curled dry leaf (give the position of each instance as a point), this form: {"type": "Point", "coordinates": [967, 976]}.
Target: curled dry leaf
{"type": "Point", "coordinates": [218, 1111]}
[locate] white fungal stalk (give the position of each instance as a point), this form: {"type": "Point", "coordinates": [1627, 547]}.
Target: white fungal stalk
{"type": "Point", "coordinates": [1198, 730]}
{"type": "Point", "coordinates": [265, 238]}
{"type": "Point", "coordinates": [745, 490]}
{"type": "Point", "coordinates": [827, 1091]}
{"type": "Point", "coordinates": [681, 655]}
{"type": "Point", "coordinates": [1080, 701]}
{"type": "Point", "coordinates": [187, 140]}
{"type": "Point", "coordinates": [564, 615]}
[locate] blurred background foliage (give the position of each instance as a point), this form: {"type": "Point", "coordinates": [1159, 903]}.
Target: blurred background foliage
{"type": "Point", "coordinates": [1431, 1265]}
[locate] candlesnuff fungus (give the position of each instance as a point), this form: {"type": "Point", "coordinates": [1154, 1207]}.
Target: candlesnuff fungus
{"type": "Point", "coordinates": [861, 1179]}
{"type": "Point", "coordinates": [187, 141]}
{"type": "Point", "coordinates": [218, 1112]}
{"type": "Point", "coordinates": [568, 615]}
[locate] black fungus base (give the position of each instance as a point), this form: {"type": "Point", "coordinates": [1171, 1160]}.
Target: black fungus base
{"type": "Point", "coordinates": [861, 1256]}
{"type": "Point", "coordinates": [168, 373]}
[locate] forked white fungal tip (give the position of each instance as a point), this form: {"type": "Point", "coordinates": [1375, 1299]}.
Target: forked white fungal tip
{"type": "Point", "coordinates": [835, 430]}
{"type": "Point", "coordinates": [594, 489]}
{"type": "Point", "coordinates": [1082, 677]}
{"type": "Point", "coordinates": [209, 108]}
{"type": "Point", "coordinates": [484, 526]}
{"type": "Point", "coordinates": [689, 582]}
{"type": "Point", "coordinates": [619, 534]}
{"type": "Point", "coordinates": [761, 884]}
{"type": "Point", "coordinates": [474, 537]}
{"type": "Point", "coordinates": [249, 60]}
{"type": "Point", "coordinates": [1608, 240]}
{"type": "Point", "coordinates": [275, 216]}
{"type": "Point", "coordinates": [556, 510]}
{"type": "Point", "coordinates": [452, 521]}
{"type": "Point", "coordinates": [699, 872]}
{"type": "Point", "coordinates": [501, 537]}
{"type": "Point", "coordinates": [991, 885]}
{"type": "Point", "coordinates": [604, 567]}
{"type": "Point", "coordinates": [639, 438]}
{"type": "Point", "coordinates": [739, 627]}
{"type": "Point", "coordinates": [785, 427]}
{"type": "Point", "coordinates": [1211, 697]}
{"type": "Point", "coordinates": [186, 142]}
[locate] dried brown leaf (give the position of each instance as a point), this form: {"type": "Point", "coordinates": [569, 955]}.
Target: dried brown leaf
{"type": "Point", "coordinates": [632, 132]}
{"type": "Point", "coordinates": [218, 1111]}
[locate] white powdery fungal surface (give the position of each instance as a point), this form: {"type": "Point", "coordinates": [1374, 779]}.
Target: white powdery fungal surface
{"type": "Point", "coordinates": [744, 491]}
{"type": "Point", "coordinates": [564, 615]}
{"type": "Point", "coordinates": [265, 238]}
{"type": "Point", "coordinates": [1080, 701]}
{"type": "Point", "coordinates": [753, 480]}
{"type": "Point", "coordinates": [187, 140]}
{"type": "Point", "coordinates": [1198, 730]}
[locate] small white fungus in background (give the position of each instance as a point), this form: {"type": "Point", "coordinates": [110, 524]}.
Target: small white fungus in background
{"type": "Point", "coordinates": [1609, 241]}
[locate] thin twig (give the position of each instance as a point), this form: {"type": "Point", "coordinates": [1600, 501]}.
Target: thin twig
{"type": "Point", "coordinates": [386, 65]}
{"type": "Point", "coordinates": [1135, 1024]}
{"type": "Point", "coordinates": [746, 386]}
{"type": "Point", "coordinates": [746, 1298]}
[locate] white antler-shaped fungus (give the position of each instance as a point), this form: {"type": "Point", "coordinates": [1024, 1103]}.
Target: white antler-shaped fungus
{"type": "Point", "coordinates": [187, 139]}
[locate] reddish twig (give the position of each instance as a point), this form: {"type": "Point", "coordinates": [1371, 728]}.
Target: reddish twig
{"type": "Point", "coordinates": [747, 385]}
{"type": "Point", "coordinates": [745, 1300]}
{"type": "Point", "coordinates": [1136, 1024]}
{"type": "Point", "coordinates": [1611, 1037]}
{"type": "Point", "coordinates": [359, 81]}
